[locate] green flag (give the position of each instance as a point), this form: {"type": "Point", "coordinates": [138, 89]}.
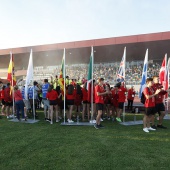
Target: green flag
{"type": "Point", "coordinates": [90, 66]}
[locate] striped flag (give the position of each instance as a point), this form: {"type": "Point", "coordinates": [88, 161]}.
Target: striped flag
{"type": "Point", "coordinates": [144, 74]}
{"type": "Point", "coordinates": [11, 72]}
{"type": "Point", "coordinates": [61, 77]}
{"type": "Point", "coordinates": [121, 72]}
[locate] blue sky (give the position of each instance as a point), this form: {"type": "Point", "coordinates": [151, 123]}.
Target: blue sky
{"type": "Point", "coordinates": [36, 22]}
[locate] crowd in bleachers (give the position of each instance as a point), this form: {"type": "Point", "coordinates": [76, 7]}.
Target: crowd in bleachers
{"type": "Point", "coordinates": [106, 70]}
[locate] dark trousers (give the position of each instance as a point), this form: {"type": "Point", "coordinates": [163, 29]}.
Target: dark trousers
{"type": "Point", "coordinates": [35, 105]}
{"type": "Point", "coordinates": [130, 104]}
{"type": "Point", "coordinates": [20, 107]}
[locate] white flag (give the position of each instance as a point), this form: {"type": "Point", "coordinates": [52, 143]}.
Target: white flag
{"type": "Point", "coordinates": [30, 75]}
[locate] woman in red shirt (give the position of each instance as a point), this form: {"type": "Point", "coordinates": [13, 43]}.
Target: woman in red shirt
{"type": "Point", "coordinates": [70, 97]}
{"type": "Point", "coordinates": [2, 100]}
{"type": "Point", "coordinates": [52, 96]}
{"type": "Point", "coordinates": [78, 99]}
{"type": "Point", "coordinates": [131, 95]}
{"type": "Point", "coordinates": [19, 103]}
{"type": "Point", "coordinates": [115, 100]}
{"type": "Point", "coordinates": [86, 104]}
{"type": "Point", "coordinates": [107, 101]}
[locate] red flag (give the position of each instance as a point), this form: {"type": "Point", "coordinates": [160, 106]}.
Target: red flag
{"type": "Point", "coordinates": [11, 72]}
{"type": "Point", "coordinates": [162, 73]}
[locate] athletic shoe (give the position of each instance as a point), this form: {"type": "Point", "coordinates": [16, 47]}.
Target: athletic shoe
{"type": "Point", "coordinates": [24, 119]}
{"type": "Point", "coordinates": [51, 122]}
{"type": "Point", "coordinates": [101, 126]}
{"type": "Point", "coordinates": [57, 121]}
{"type": "Point", "coordinates": [161, 126]}
{"type": "Point", "coordinates": [154, 127]}
{"type": "Point", "coordinates": [108, 118]}
{"type": "Point", "coordinates": [150, 128]}
{"type": "Point", "coordinates": [96, 126]}
{"type": "Point", "coordinates": [101, 119]}
{"type": "Point", "coordinates": [94, 121]}
{"type": "Point", "coordinates": [7, 117]}
{"type": "Point", "coordinates": [70, 121]}
{"type": "Point", "coordinates": [146, 130]}
{"type": "Point", "coordinates": [60, 117]}
{"type": "Point", "coordinates": [118, 119]}
{"type": "Point", "coordinates": [48, 120]}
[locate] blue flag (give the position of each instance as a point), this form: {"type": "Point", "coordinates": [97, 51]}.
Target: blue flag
{"type": "Point", "coordinates": [144, 74]}
{"type": "Point", "coordinates": [121, 72]}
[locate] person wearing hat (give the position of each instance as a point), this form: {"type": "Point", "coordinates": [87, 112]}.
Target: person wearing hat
{"type": "Point", "coordinates": [130, 98]}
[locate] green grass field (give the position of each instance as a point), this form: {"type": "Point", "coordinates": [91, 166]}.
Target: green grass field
{"type": "Point", "coordinates": [44, 146]}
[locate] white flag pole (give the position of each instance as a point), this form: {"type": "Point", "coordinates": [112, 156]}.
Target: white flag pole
{"type": "Point", "coordinates": [64, 88]}
{"type": "Point", "coordinates": [13, 106]}
{"type": "Point", "coordinates": [124, 81]}
{"type": "Point", "coordinates": [92, 84]}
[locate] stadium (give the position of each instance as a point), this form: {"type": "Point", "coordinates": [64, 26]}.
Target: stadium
{"type": "Point", "coordinates": [107, 56]}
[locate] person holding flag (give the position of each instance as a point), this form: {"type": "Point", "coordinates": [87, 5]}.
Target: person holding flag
{"type": "Point", "coordinates": [121, 87]}
{"type": "Point", "coordinates": [149, 104]}
{"type": "Point", "coordinates": [160, 108]}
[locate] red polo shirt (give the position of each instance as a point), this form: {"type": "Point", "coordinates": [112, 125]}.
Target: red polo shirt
{"type": "Point", "coordinates": [151, 101]}
{"type": "Point", "coordinates": [160, 96]}
{"type": "Point", "coordinates": [131, 94]}
{"type": "Point", "coordinates": [85, 94]}
{"type": "Point", "coordinates": [52, 95]}
{"type": "Point", "coordinates": [99, 99]}
{"type": "Point", "coordinates": [121, 94]}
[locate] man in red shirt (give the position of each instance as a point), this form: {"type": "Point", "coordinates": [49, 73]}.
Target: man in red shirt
{"type": "Point", "coordinates": [121, 99]}
{"type": "Point", "coordinates": [160, 108]}
{"type": "Point", "coordinates": [131, 95]}
{"type": "Point", "coordinates": [149, 104]}
{"type": "Point", "coordinates": [99, 100]}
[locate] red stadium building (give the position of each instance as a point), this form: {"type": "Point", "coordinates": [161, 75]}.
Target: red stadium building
{"type": "Point", "coordinates": [106, 50]}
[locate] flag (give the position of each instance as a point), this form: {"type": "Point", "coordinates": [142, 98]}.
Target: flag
{"type": "Point", "coordinates": [144, 74]}
{"type": "Point", "coordinates": [167, 77]}
{"type": "Point", "coordinates": [61, 77]}
{"type": "Point", "coordinates": [11, 72]}
{"type": "Point", "coordinates": [30, 75]}
{"type": "Point", "coordinates": [90, 75]}
{"type": "Point", "coordinates": [162, 74]}
{"type": "Point", "coordinates": [121, 71]}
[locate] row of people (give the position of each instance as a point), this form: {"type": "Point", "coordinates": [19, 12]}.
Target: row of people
{"type": "Point", "coordinates": [154, 103]}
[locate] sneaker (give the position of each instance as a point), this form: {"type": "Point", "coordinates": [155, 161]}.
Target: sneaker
{"type": "Point", "coordinates": [150, 128]}
{"type": "Point", "coordinates": [101, 126]}
{"type": "Point", "coordinates": [118, 119]}
{"type": "Point", "coordinates": [48, 120]}
{"type": "Point", "coordinates": [60, 117]}
{"type": "Point", "coordinates": [146, 130]}
{"type": "Point", "coordinates": [70, 121]}
{"type": "Point", "coordinates": [24, 119]}
{"type": "Point", "coordinates": [57, 121]}
{"type": "Point", "coordinates": [7, 117]}
{"type": "Point", "coordinates": [96, 126]}
{"type": "Point", "coordinates": [161, 126]}
{"type": "Point", "coordinates": [108, 118]}
{"type": "Point", "coordinates": [101, 119]}
{"type": "Point", "coordinates": [154, 127]}
{"type": "Point", "coordinates": [94, 121]}
{"type": "Point", "coordinates": [51, 122]}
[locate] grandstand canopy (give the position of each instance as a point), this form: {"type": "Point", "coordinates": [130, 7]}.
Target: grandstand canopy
{"type": "Point", "coordinates": [106, 50]}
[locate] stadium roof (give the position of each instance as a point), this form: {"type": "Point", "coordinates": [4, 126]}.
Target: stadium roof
{"type": "Point", "coordinates": [106, 50]}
